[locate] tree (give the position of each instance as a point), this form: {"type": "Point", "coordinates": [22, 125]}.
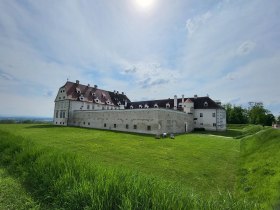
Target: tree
{"type": "Point", "coordinates": [259, 115]}
{"type": "Point", "coordinates": [228, 108]}
{"type": "Point", "coordinates": [238, 115]}
{"type": "Point", "coordinates": [270, 119]}
{"type": "Point", "coordinates": [278, 119]}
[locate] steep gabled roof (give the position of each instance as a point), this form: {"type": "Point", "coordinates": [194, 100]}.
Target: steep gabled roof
{"type": "Point", "coordinates": [74, 91]}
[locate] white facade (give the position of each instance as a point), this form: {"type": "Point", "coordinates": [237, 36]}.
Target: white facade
{"type": "Point", "coordinates": [210, 119]}
{"type": "Point", "coordinates": [75, 108]}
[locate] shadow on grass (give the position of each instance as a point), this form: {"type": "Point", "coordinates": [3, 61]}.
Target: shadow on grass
{"type": "Point", "coordinates": [84, 128]}
{"type": "Point", "coordinates": [44, 126]}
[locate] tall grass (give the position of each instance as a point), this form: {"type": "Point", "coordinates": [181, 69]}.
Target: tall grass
{"type": "Point", "coordinates": [259, 177]}
{"type": "Point", "coordinates": [67, 181]}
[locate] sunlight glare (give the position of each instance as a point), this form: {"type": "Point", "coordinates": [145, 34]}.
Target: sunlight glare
{"type": "Point", "coordinates": [144, 4]}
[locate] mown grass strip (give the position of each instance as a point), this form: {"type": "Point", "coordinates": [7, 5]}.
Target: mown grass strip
{"type": "Point", "coordinates": [66, 181]}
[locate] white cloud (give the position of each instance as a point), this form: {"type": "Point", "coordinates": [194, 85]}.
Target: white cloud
{"type": "Point", "coordinates": [245, 48]}
{"type": "Point", "coordinates": [193, 24]}
{"type": "Point", "coordinates": [147, 56]}
{"type": "Point", "coordinates": [149, 75]}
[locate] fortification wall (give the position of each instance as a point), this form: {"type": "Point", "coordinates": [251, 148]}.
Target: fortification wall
{"type": "Point", "coordinates": [151, 121]}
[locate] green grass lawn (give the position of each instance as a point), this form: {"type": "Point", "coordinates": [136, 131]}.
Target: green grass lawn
{"type": "Point", "coordinates": [12, 195]}
{"type": "Point", "coordinates": [259, 176]}
{"type": "Point", "coordinates": [184, 160]}
{"type": "Point", "coordinates": [78, 168]}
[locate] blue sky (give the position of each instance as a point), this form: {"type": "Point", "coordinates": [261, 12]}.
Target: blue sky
{"type": "Point", "coordinates": [229, 49]}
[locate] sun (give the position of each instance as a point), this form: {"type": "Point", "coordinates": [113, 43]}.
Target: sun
{"type": "Point", "coordinates": [145, 4]}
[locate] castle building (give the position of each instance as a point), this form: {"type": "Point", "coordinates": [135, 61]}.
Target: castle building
{"type": "Point", "coordinates": [86, 106]}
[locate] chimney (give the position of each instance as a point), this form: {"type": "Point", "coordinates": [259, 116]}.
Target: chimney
{"type": "Point", "coordinates": [125, 103]}
{"type": "Point", "coordinates": [195, 96]}
{"type": "Point", "coordinates": [183, 99]}
{"type": "Point", "coordinates": [95, 86]}
{"type": "Point", "coordinates": [88, 85]}
{"type": "Point", "coordinates": [122, 93]}
{"type": "Point", "coordinates": [77, 82]}
{"type": "Point", "coordinates": [175, 102]}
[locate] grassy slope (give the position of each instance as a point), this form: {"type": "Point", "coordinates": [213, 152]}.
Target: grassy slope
{"type": "Point", "coordinates": [13, 195]}
{"type": "Point", "coordinates": [259, 177]}
{"type": "Point", "coordinates": [202, 163]}
{"type": "Point", "coordinates": [59, 179]}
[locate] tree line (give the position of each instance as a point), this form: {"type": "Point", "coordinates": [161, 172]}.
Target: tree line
{"type": "Point", "coordinates": [255, 113]}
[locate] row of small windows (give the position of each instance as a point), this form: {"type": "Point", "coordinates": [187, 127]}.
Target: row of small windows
{"type": "Point", "coordinates": [115, 126]}
{"type": "Point", "coordinates": [103, 107]}
{"type": "Point", "coordinates": [127, 126]}
{"type": "Point", "coordinates": [146, 106]}
{"type": "Point", "coordinates": [214, 124]}
{"type": "Point", "coordinates": [60, 123]}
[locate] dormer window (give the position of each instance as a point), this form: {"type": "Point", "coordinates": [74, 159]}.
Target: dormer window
{"type": "Point", "coordinates": [103, 95]}
{"type": "Point", "coordinates": [78, 90]}
{"type": "Point", "coordinates": [155, 106]}
{"type": "Point", "coordinates": [140, 106]}
{"type": "Point", "coordinates": [167, 105]}
{"type": "Point", "coordinates": [97, 100]}
{"type": "Point", "coordinates": [108, 102]}
{"type": "Point", "coordinates": [119, 103]}
{"type": "Point", "coordinates": [146, 106]}
{"type": "Point", "coordinates": [131, 107]}
{"type": "Point", "coordinates": [81, 98]}
{"type": "Point", "coordinates": [205, 104]}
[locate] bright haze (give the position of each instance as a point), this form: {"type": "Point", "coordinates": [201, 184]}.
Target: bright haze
{"type": "Point", "coordinates": [150, 49]}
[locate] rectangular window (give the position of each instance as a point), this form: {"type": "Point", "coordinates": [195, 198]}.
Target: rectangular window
{"type": "Point", "coordinates": [148, 127]}
{"type": "Point", "coordinates": [115, 125]}
{"type": "Point", "coordinates": [213, 114]}
{"type": "Point", "coordinates": [201, 115]}
{"type": "Point", "coordinates": [88, 106]}
{"type": "Point", "coordinates": [92, 106]}
{"type": "Point", "coordinates": [135, 126]}
{"type": "Point", "coordinates": [201, 123]}
{"type": "Point", "coordinates": [56, 114]}
{"type": "Point", "coordinates": [60, 114]}
{"type": "Point", "coordinates": [214, 124]}
{"type": "Point", "coordinates": [104, 125]}
{"type": "Point", "coordinates": [126, 126]}
{"type": "Point", "coordinates": [88, 123]}
{"type": "Point", "coordinates": [63, 114]}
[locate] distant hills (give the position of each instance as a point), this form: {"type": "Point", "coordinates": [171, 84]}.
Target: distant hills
{"type": "Point", "coordinates": [25, 118]}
